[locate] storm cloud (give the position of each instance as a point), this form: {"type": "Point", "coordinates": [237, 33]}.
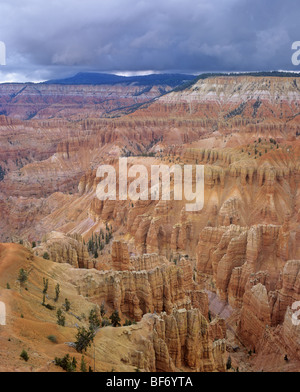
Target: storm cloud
{"type": "Point", "coordinates": [58, 38]}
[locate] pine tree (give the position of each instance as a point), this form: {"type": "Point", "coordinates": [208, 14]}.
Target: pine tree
{"type": "Point", "coordinates": [57, 291]}
{"type": "Point", "coordinates": [94, 320]}
{"type": "Point", "coordinates": [115, 319]}
{"type": "Point", "coordinates": [23, 276]}
{"type": "Point", "coordinates": [102, 309]}
{"type": "Point", "coordinates": [84, 339]}
{"type": "Point", "coordinates": [45, 282]}
{"type": "Point", "coordinates": [61, 320]}
{"type": "Point", "coordinates": [83, 365]}
{"type": "Point", "coordinates": [67, 304]}
{"type": "Point", "coordinates": [24, 355]}
{"type": "Point", "coordinates": [66, 363]}
{"type": "Point", "coordinates": [228, 363]}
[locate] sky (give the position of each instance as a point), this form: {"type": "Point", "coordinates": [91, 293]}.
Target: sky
{"type": "Point", "coordinates": [58, 38]}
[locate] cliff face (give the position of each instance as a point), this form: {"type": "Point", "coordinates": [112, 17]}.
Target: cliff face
{"type": "Point", "coordinates": [233, 100]}
{"type": "Point", "coordinates": [159, 342]}
{"type": "Point", "coordinates": [134, 285]}
{"type": "Point", "coordinates": [255, 316]}
{"type": "Point", "coordinates": [182, 339]}
{"type": "Point", "coordinates": [289, 291]}
{"type": "Point", "coordinates": [64, 249]}
{"type": "Point", "coordinates": [238, 256]}
{"type": "Point", "coordinates": [249, 179]}
{"type": "Point", "coordinates": [135, 293]}
{"type": "Point", "coordinates": [43, 101]}
{"type": "Point", "coordinates": [120, 256]}
{"type": "Point", "coordinates": [170, 343]}
{"type": "Point", "coordinates": [274, 347]}
{"type": "Point", "coordinates": [249, 269]}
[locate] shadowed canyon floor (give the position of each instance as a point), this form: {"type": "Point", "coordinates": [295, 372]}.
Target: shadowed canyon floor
{"type": "Point", "coordinates": [201, 286]}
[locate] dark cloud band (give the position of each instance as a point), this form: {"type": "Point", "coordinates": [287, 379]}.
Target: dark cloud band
{"type": "Point", "coordinates": [52, 39]}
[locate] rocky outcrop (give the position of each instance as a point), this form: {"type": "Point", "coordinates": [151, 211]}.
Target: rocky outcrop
{"type": "Point", "coordinates": [288, 293]}
{"type": "Point", "coordinates": [234, 256]}
{"type": "Point", "coordinates": [255, 315]}
{"type": "Point", "coordinates": [277, 349]}
{"type": "Point", "coordinates": [182, 339]}
{"type": "Point", "coordinates": [121, 261]}
{"type": "Point", "coordinates": [64, 249]}
{"type": "Point", "coordinates": [147, 262]}
{"type": "Point", "coordinates": [120, 256]}
{"type": "Point", "coordinates": [173, 342]}
{"type": "Point", "coordinates": [135, 293]}
{"type": "Point", "coordinates": [209, 240]}
{"type": "Point", "coordinates": [249, 269]}
{"type": "Point", "coordinates": [225, 263]}
{"type": "Point", "coordinates": [266, 324]}
{"type": "Point", "coordinates": [291, 334]}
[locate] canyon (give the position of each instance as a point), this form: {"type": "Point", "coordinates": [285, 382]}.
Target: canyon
{"type": "Point", "coordinates": [198, 287]}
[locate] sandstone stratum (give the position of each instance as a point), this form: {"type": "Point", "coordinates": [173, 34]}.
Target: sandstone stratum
{"type": "Point", "coordinates": [192, 289]}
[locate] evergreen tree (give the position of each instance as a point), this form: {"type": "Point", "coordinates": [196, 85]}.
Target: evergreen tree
{"type": "Point", "coordinates": [23, 276]}
{"type": "Point", "coordinates": [115, 319]}
{"type": "Point", "coordinates": [57, 291]}
{"type": "Point", "coordinates": [67, 304]}
{"type": "Point", "coordinates": [83, 365]}
{"type": "Point", "coordinates": [84, 339]}
{"type": "Point", "coordinates": [66, 363]}
{"type": "Point", "coordinates": [228, 363]}
{"type": "Point", "coordinates": [61, 320]}
{"type": "Point", "coordinates": [102, 309]}
{"type": "Point", "coordinates": [45, 282]}
{"type": "Point", "coordinates": [94, 320]}
{"type": "Point", "coordinates": [24, 355]}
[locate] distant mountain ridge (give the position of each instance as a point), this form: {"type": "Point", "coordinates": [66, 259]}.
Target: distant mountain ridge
{"type": "Point", "coordinates": [85, 78]}
{"type": "Point", "coordinates": [92, 94]}
{"type": "Point", "coordinates": [177, 80]}
{"type": "Point", "coordinates": [106, 95]}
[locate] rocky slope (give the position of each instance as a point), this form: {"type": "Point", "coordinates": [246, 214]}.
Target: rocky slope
{"type": "Point", "coordinates": [238, 257]}
{"type": "Point", "coordinates": [44, 101]}
{"type": "Point", "coordinates": [178, 339]}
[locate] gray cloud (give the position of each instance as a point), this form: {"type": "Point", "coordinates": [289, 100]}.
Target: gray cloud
{"type": "Point", "coordinates": [61, 37]}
